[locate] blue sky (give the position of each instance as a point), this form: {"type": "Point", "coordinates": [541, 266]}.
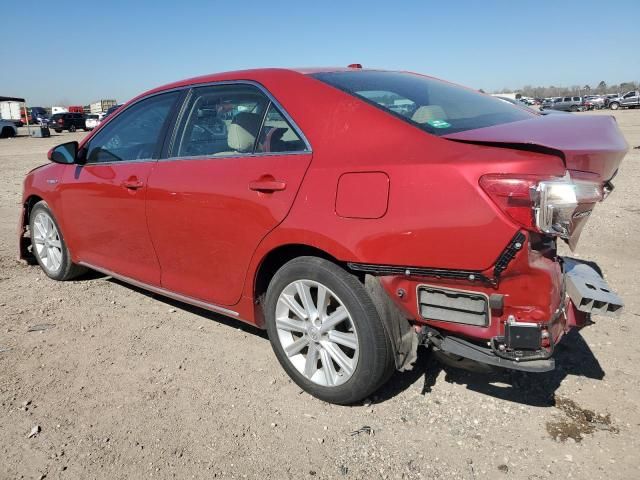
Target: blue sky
{"type": "Point", "coordinates": [76, 52]}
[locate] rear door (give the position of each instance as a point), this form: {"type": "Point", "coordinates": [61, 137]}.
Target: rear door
{"type": "Point", "coordinates": [104, 199]}
{"type": "Point", "coordinates": [233, 168]}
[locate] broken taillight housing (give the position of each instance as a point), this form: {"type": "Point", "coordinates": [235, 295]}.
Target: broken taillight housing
{"type": "Point", "coordinates": [547, 205]}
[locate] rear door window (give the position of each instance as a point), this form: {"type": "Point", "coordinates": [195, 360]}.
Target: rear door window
{"type": "Point", "coordinates": [435, 106]}
{"type": "Point", "coordinates": [232, 120]}
{"type": "Point", "coordinates": [277, 134]}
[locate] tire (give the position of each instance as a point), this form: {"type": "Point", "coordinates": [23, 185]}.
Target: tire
{"type": "Point", "coordinates": [614, 105]}
{"type": "Point", "coordinates": [365, 358]}
{"type": "Point", "coordinates": [7, 132]}
{"type": "Point", "coordinates": [57, 131]}
{"type": "Point", "coordinates": [72, 128]}
{"type": "Point", "coordinates": [48, 245]}
{"type": "Point", "coordinates": [573, 108]}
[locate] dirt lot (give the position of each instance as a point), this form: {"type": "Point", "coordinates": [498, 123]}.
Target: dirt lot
{"type": "Point", "coordinates": [124, 384]}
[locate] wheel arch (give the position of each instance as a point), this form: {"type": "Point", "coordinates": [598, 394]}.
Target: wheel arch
{"type": "Point", "coordinates": [273, 260]}
{"type": "Point", "coordinates": [25, 242]}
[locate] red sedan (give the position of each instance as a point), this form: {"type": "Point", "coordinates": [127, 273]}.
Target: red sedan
{"type": "Point", "coordinates": [355, 214]}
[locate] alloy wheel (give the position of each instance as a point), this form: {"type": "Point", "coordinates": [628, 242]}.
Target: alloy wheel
{"type": "Point", "coordinates": [46, 240]}
{"type": "Point", "coordinates": [317, 333]}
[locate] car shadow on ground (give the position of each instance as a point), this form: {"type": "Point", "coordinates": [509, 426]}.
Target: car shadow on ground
{"type": "Point", "coordinates": [573, 357]}
{"type": "Point", "coordinates": [201, 312]}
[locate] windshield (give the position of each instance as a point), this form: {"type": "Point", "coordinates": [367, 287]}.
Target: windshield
{"type": "Point", "coordinates": [435, 106]}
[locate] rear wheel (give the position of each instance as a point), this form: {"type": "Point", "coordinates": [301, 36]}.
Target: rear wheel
{"type": "Point", "coordinates": [573, 108]}
{"type": "Point", "coordinates": [326, 331]}
{"type": "Point", "coordinates": [48, 245]}
{"type": "Point", "coordinates": [614, 105]}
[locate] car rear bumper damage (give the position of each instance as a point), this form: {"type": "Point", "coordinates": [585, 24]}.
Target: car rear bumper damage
{"type": "Point", "coordinates": [509, 316]}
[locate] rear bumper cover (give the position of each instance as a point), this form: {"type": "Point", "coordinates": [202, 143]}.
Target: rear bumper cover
{"type": "Point", "coordinates": [529, 346]}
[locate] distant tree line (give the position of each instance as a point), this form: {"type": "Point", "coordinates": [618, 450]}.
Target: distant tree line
{"type": "Point", "coordinates": [553, 91]}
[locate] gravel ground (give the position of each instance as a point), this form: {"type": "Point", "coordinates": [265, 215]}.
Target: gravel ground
{"type": "Point", "coordinates": [118, 383]}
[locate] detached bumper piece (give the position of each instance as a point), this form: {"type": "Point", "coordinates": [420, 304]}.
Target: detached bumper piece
{"type": "Point", "coordinates": [588, 291]}
{"type": "Point", "coordinates": [529, 361]}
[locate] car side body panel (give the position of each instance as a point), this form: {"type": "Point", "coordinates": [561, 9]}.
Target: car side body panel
{"type": "Point", "coordinates": [206, 222]}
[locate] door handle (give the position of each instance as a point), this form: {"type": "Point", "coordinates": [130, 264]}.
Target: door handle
{"type": "Point", "coordinates": [132, 183]}
{"type": "Point", "coordinates": [267, 185]}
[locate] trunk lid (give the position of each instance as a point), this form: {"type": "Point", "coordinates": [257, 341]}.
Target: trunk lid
{"type": "Point", "coordinates": [586, 143]}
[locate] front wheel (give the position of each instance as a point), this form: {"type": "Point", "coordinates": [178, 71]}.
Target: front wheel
{"type": "Point", "coordinates": [48, 245]}
{"type": "Point", "coordinates": [614, 105]}
{"type": "Point", "coordinates": [326, 331]}
{"type": "Point", "coordinates": [72, 128]}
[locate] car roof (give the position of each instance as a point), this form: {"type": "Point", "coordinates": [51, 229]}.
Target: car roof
{"type": "Point", "coordinates": [257, 75]}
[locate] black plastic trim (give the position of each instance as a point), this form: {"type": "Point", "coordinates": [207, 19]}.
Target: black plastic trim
{"type": "Point", "coordinates": [508, 254]}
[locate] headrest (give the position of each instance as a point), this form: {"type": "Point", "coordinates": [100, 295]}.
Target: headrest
{"type": "Point", "coordinates": [243, 131]}
{"type": "Point", "coordinates": [427, 113]}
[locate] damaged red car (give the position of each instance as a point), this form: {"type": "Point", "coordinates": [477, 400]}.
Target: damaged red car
{"type": "Point", "coordinates": [355, 214]}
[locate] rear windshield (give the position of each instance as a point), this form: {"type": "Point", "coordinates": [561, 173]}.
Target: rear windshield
{"type": "Point", "coordinates": [435, 106]}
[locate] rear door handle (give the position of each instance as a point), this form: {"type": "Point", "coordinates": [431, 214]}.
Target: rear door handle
{"type": "Point", "coordinates": [267, 185]}
{"type": "Point", "coordinates": [132, 184]}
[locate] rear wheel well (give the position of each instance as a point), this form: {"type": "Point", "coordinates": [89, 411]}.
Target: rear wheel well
{"type": "Point", "coordinates": [276, 258]}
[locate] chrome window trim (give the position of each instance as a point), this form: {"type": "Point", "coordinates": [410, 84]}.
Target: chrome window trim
{"type": "Point", "coordinates": [272, 101]}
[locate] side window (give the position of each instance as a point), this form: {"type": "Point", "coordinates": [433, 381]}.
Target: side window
{"type": "Point", "coordinates": [566, 99]}
{"type": "Point", "coordinates": [576, 99]}
{"type": "Point", "coordinates": [220, 120]}
{"type": "Point", "coordinates": [630, 94]}
{"type": "Point", "coordinates": [277, 135]}
{"type": "Point", "coordinates": [134, 133]}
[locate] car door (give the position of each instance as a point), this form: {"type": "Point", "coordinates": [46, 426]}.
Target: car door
{"type": "Point", "coordinates": [104, 199]}
{"type": "Point", "coordinates": [231, 173]}
{"type": "Point", "coordinates": [630, 98]}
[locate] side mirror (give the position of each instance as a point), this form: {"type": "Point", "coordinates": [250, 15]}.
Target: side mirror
{"type": "Point", "coordinates": [66, 153]}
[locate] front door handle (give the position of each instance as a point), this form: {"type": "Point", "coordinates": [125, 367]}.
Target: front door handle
{"type": "Point", "coordinates": [267, 185]}
{"type": "Point", "coordinates": [132, 183]}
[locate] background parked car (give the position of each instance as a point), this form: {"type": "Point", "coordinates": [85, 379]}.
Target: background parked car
{"type": "Point", "coordinates": [594, 102]}
{"type": "Point", "coordinates": [68, 121]}
{"type": "Point", "coordinates": [39, 115]}
{"type": "Point", "coordinates": [628, 100]}
{"type": "Point", "coordinates": [91, 121]}
{"type": "Point", "coordinates": [608, 97]}
{"type": "Point", "coordinates": [111, 110]}
{"type": "Point", "coordinates": [7, 129]}
{"type": "Point", "coordinates": [568, 104]}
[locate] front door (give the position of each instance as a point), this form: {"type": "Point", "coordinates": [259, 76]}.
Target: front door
{"type": "Point", "coordinates": [104, 199]}
{"type": "Point", "coordinates": [231, 176]}
{"type": "Point", "coordinates": [630, 98]}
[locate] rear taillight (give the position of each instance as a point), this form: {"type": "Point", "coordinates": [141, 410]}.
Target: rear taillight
{"type": "Point", "coordinates": [513, 196]}
{"type": "Point", "coordinates": [542, 204]}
